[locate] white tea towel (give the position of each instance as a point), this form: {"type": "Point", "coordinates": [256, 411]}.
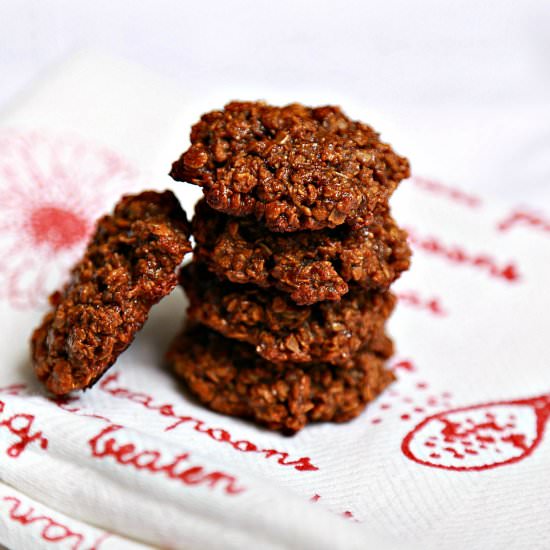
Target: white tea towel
{"type": "Point", "coordinates": [453, 455]}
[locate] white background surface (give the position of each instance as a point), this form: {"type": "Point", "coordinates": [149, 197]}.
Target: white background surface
{"type": "Point", "coordinates": [484, 65]}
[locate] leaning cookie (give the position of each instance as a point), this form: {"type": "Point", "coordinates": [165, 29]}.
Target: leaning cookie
{"type": "Point", "coordinates": [292, 168]}
{"type": "Point", "coordinates": [230, 378]}
{"type": "Point", "coordinates": [311, 266]}
{"type": "Point", "coordinates": [280, 330]}
{"type": "Point", "coordinates": [129, 265]}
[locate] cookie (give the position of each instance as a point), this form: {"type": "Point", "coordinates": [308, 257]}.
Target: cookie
{"type": "Point", "coordinates": [129, 265]}
{"type": "Point", "coordinates": [292, 168]}
{"type": "Point", "coordinates": [230, 378]}
{"type": "Point", "coordinates": [279, 329]}
{"type": "Point", "coordinates": [311, 266]}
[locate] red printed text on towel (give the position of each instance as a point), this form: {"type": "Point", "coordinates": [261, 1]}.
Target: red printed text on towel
{"type": "Point", "coordinates": [414, 299]}
{"type": "Point", "coordinates": [452, 193]}
{"type": "Point", "coordinates": [181, 468]}
{"type": "Point", "coordinates": [526, 219]}
{"type": "Point", "coordinates": [457, 254]}
{"type": "Point", "coordinates": [49, 529]}
{"type": "Point", "coordinates": [110, 385]}
{"type": "Point", "coordinates": [21, 426]}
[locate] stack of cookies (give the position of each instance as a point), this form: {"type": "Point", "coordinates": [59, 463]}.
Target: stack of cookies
{"type": "Point", "coordinates": [295, 253]}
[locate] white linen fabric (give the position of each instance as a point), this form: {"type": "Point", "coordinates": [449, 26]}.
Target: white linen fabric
{"type": "Point", "coordinates": [453, 455]}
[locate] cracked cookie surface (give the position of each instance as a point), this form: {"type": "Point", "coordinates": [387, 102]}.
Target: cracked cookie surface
{"type": "Point", "coordinates": [279, 329]}
{"type": "Point", "coordinates": [311, 266]}
{"type": "Point", "coordinates": [129, 265]}
{"type": "Point", "coordinates": [230, 378]}
{"type": "Point", "coordinates": [291, 168]}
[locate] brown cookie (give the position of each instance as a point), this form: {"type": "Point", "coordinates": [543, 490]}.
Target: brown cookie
{"type": "Point", "coordinates": [230, 378]}
{"type": "Point", "coordinates": [291, 167]}
{"type": "Point", "coordinates": [129, 266]}
{"type": "Point", "coordinates": [312, 266]}
{"type": "Point", "coordinates": [280, 330]}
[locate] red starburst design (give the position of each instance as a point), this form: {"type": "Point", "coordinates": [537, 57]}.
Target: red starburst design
{"type": "Point", "coordinates": [52, 189]}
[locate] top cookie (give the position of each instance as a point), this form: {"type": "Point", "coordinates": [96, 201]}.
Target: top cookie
{"type": "Point", "coordinates": [292, 167]}
{"type": "Point", "coordinates": [129, 265]}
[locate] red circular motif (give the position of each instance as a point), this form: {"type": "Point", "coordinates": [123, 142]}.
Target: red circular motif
{"type": "Point", "coordinates": [56, 227]}
{"type": "Point", "coordinates": [52, 189]}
